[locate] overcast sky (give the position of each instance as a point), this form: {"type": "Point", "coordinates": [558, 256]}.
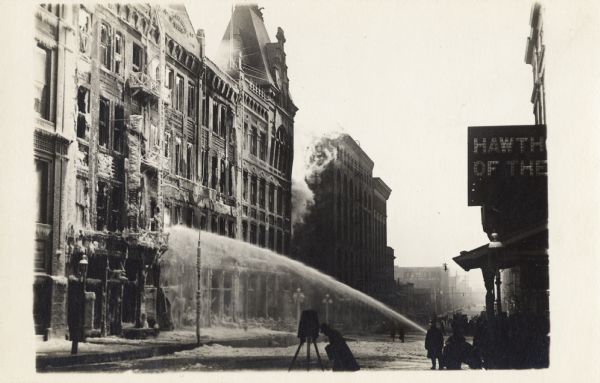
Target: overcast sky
{"type": "Point", "coordinates": [406, 79]}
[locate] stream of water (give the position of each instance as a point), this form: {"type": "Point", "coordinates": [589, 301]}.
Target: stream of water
{"type": "Point", "coordinates": [215, 249]}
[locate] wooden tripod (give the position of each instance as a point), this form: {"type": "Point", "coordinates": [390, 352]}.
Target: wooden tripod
{"type": "Point", "coordinates": [308, 341]}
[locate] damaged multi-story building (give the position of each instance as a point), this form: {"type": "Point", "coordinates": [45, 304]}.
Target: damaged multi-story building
{"type": "Point", "coordinates": [345, 231]}
{"type": "Point", "coordinates": [138, 131]}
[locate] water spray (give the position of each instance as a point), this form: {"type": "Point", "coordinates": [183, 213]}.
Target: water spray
{"type": "Point", "coordinates": [184, 243]}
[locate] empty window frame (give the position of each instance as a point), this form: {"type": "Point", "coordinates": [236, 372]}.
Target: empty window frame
{"type": "Point", "coordinates": [188, 161]}
{"type": "Point", "coordinates": [245, 186]}
{"type": "Point", "coordinates": [261, 193]}
{"type": "Point", "coordinates": [279, 200]}
{"type": "Point", "coordinates": [177, 159]}
{"type": "Point", "coordinates": [245, 231]}
{"type": "Point", "coordinates": [83, 107]}
{"type": "Point", "coordinates": [205, 110]}
{"type": "Point", "coordinates": [253, 190]}
{"type": "Point", "coordinates": [222, 120]}
{"type": "Point", "coordinates": [116, 203]}
{"type": "Point", "coordinates": [167, 148]}
{"type": "Point", "coordinates": [137, 58]}
{"type": "Point", "coordinates": [191, 101]}
{"type": "Point", "coordinates": [104, 122]}
{"type": "Point", "coordinates": [262, 146]}
{"type": "Point", "coordinates": [205, 167]}
{"type": "Point", "coordinates": [271, 241]}
{"type": "Point", "coordinates": [253, 141]}
{"type": "Point", "coordinates": [271, 197]}
{"type": "Point", "coordinates": [119, 53]}
{"type": "Point", "coordinates": [178, 93]}
{"type": "Point", "coordinates": [42, 80]}
{"type": "Point", "coordinates": [81, 201]}
{"type": "Point", "coordinates": [101, 205]}
{"type": "Point", "coordinates": [169, 77]}
{"type": "Point", "coordinates": [119, 129]}
{"type": "Point", "coordinates": [231, 229]}
{"type": "Point", "coordinates": [105, 46]}
{"type": "Point", "coordinates": [213, 180]}
{"type": "Point", "coordinates": [215, 118]}
{"type": "Point", "coordinates": [253, 233]}
{"type": "Point", "coordinates": [223, 177]}
{"type": "Point", "coordinates": [261, 236]}
{"type": "Point", "coordinates": [85, 22]}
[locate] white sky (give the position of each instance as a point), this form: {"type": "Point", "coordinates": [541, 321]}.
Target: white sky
{"type": "Point", "coordinates": [405, 79]}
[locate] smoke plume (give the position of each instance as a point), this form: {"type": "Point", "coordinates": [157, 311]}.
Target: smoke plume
{"type": "Point", "coordinates": [318, 154]}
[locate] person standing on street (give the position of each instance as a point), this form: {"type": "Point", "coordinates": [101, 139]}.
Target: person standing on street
{"type": "Point", "coordinates": [434, 342]}
{"type": "Point", "coordinates": [401, 334]}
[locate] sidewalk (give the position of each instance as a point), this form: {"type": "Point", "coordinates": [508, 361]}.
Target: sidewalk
{"type": "Point", "coordinates": [57, 352]}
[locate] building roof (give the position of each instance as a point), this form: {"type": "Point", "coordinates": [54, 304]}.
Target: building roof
{"type": "Point", "coordinates": [212, 66]}
{"type": "Point", "coordinates": [176, 23]}
{"type": "Point", "coordinates": [250, 36]}
{"type": "Point", "coordinates": [354, 146]}
{"type": "Point", "coordinates": [381, 187]}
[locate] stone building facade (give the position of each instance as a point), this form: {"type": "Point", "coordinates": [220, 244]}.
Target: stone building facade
{"type": "Point", "coordinates": [54, 49]}
{"type": "Point", "coordinates": [345, 232]}
{"type": "Point", "coordinates": [138, 131]}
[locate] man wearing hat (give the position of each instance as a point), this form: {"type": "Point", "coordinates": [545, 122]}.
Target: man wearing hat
{"type": "Point", "coordinates": [434, 341]}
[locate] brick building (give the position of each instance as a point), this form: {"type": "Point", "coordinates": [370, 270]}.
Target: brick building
{"type": "Point", "coordinates": [345, 232]}
{"type": "Point", "coordinates": [138, 131]}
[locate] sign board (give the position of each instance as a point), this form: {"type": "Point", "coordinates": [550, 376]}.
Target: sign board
{"type": "Point", "coordinates": [506, 162]}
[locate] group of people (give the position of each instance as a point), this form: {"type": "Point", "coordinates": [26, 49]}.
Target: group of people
{"type": "Point", "coordinates": [453, 353]}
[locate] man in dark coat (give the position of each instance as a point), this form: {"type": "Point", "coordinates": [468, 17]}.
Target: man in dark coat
{"type": "Point", "coordinates": [338, 351]}
{"type": "Point", "coordinates": [458, 351]}
{"type": "Point", "coordinates": [434, 341]}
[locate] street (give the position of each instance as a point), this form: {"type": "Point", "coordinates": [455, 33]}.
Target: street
{"type": "Point", "coordinates": [372, 353]}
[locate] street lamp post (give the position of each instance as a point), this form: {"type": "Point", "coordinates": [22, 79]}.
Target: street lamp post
{"type": "Point", "coordinates": [327, 301]}
{"type": "Point", "coordinates": [496, 247]}
{"type": "Point", "coordinates": [198, 288]}
{"type": "Point", "coordinates": [79, 332]}
{"type": "Point", "coordinates": [298, 297]}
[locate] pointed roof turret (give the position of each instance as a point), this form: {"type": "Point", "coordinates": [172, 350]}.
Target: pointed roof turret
{"type": "Point", "coordinates": [247, 36]}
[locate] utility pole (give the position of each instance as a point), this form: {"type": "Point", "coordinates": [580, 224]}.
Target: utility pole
{"type": "Point", "coordinates": [199, 288]}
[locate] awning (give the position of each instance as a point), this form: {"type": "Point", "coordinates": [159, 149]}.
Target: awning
{"type": "Point", "coordinates": [527, 245]}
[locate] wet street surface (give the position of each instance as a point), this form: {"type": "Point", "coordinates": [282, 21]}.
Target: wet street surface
{"type": "Point", "coordinates": [372, 353]}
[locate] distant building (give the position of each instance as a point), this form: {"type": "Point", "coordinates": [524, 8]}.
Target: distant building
{"type": "Point", "coordinates": [434, 279]}
{"type": "Point", "coordinates": [345, 232]}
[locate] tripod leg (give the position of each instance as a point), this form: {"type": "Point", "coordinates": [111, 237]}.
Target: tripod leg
{"type": "Point", "coordinates": [318, 355]}
{"type": "Point", "coordinates": [308, 355]}
{"type": "Point", "coordinates": [295, 355]}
